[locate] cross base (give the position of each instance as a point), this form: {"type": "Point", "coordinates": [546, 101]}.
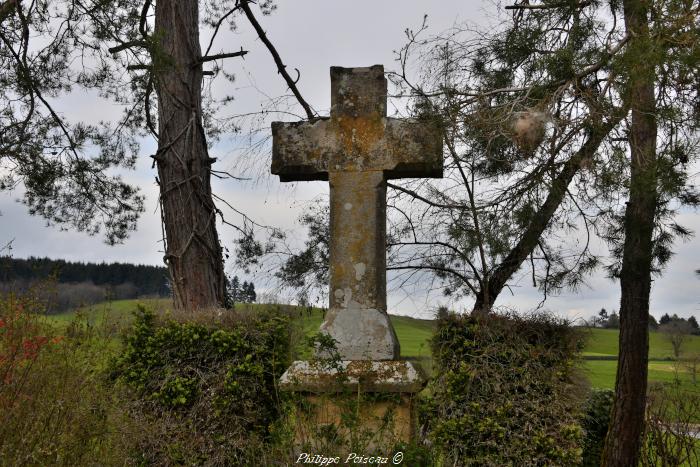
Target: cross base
{"type": "Point", "coordinates": [395, 376]}
{"type": "Point", "coordinates": [361, 334]}
{"type": "Point", "coordinates": [353, 406]}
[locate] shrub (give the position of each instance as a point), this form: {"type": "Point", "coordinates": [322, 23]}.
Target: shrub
{"type": "Point", "coordinates": [204, 387]}
{"type": "Point", "coordinates": [595, 423]}
{"type": "Point", "coordinates": [54, 407]}
{"type": "Point", "coordinates": [671, 426]}
{"type": "Point", "coordinates": [670, 429]}
{"type": "Point", "coordinates": [503, 392]}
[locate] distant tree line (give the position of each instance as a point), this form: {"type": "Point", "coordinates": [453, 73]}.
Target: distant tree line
{"type": "Point", "coordinates": [612, 321]}
{"type": "Point", "coordinates": [605, 320]}
{"type": "Point", "coordinates": [143, 279]}
{"type": "Point", "coordinates": [240, 292]}
{"type": "Point", "coordinates": [689, 325]}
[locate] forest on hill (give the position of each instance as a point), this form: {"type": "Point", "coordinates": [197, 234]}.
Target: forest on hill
{"type": "Point", "coordinates": [66, 284]}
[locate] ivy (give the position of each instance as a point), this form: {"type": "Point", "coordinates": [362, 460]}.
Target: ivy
{"type": "Point", "coordinates": [503, 392]}
{"type": "Point", "coordinates": [214, 377]}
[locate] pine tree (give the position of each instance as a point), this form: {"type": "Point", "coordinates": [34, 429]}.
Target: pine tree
{"type": "Point", "coordinates": [659, 59]}
{"type": "Point", "coordinates": [234, 291]}
{"type": "Point", "coordinates": [65, 167]}
{"type": "Point", "coordinates": [247, 292]}
{"type": "Point", "coordinates": [252, 296]}
{"type": "Point", "coordinates": [146, 58]}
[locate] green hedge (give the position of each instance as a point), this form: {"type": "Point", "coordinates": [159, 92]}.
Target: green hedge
{"type": "Point", "coordinates": [204, 391]}
{"type": "Point", "coordinates": [595, 425]}
{"type": "Point", "coordinates": [503, 392]}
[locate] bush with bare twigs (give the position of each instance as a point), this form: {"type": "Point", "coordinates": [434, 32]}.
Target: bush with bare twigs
{"type": "Point", "coordinates": [203, 387]}
{"type": "Point", "coordinates": [504, 391]}
{"type": "Point", "coordinates": [55, 409]}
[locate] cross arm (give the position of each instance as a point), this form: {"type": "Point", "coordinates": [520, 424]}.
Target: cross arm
{"type": "Point", "coordinates": [413, 149]}
{"type": "Point", "coordinates": [401, 148]}
{"type": "Point", "coordinates": [301, 150]}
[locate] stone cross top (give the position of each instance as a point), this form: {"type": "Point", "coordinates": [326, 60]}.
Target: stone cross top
{"type": "Point", "coordinates": [357, 149]}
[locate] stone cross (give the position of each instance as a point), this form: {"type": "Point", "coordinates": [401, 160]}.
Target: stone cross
{"type": "Point", "coordinates": [357, 150]}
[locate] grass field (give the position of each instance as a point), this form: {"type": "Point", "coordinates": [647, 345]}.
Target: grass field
{"type": "Point", "coordinates": [414, 335]}
{"type": "Point", "coordinates": [118, 310]}
{"type": "Point", "coordinates": [601, 373]}
{"type": "Point", "coordinates": [604, 342]}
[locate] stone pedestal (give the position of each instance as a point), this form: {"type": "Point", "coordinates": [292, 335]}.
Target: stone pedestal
{"type": "Point", "coordinates": [353, 406]}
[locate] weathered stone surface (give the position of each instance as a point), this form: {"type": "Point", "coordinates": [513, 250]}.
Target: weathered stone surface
{"type": "Point", "coordinates": [358, 92]}
{"type": "Point", "coordinates": [357, 149]}
{"type": "Point", "coordinates": [301, 150]}
{"type": "Point", "coordinates": [370, 376]}
{"type": "Point", "coordinates": [362, 333]}
{"type": "Point", "coordinates": [385, 424]}
{"type": "Point", "coordinates": [357, 137]}
{"type": "Point", "coordinates": [357, 318]}
{"type": "Point", "coordinates": [310, 150]}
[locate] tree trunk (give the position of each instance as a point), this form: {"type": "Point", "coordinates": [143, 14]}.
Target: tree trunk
{"type": "Point", "coordinates": [192, 250]}
{"type": "Point", "coordinates": [500, 275]}
{"type": "Point", "coordinates": [624, 439]}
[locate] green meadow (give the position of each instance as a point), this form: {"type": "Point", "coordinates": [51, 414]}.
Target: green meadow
{"type": "Point", "coordinates": [599, 364]}
{"type": "Point", "coordinates": [604, 342]}
{"type": "Point", "coordinates": [601, 373]}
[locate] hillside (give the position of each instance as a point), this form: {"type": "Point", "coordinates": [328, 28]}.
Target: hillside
{"type": "Point", "coordinates": [414, 335]}
{"type": "Point", "coordinates": [146, 280]}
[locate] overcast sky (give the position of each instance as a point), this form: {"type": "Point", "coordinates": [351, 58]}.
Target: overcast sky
{"type": "Point", "coordinates": [313, 35]}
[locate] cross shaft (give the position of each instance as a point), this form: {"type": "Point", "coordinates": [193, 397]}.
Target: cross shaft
{"type": "Point", "coordinates": [357, 149]}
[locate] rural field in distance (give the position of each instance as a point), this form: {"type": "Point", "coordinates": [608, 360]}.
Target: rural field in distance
{"type": "Point", "coordinates": [598, 363]}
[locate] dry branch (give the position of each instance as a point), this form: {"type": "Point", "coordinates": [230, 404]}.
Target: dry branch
{"type": "Point", "coordinates": [281, 67]}
{"type": "Point", "coordinates": [525, 6]}
{"type": "Point", "coordinates": [209, 58]}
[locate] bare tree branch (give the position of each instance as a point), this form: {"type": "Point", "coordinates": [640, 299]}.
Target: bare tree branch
{"type": "Point", "coordinates": [218, 25]}
{"type": "Point", "coordinates": [209, 58]}
{"type": "Point", "coordinates": [416, 267]}
{"type": "Point", "coordinates": [281, 67]}
{"type": "Point", "coordinates": [127, 45]}
{"type": "Point", "coordinates": [425, 200]}
{"type": "Point", "coordinates": [144, 17]}
{"type": "Point", "coordinates": [525, 6]}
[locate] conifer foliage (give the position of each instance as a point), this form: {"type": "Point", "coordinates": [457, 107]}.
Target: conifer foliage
{"type": "Point", "coordinates": [148, 280]}
{"type": "Point", "coordinates": [240, 292]}
{"type": "Point", "coordinates": [65, 168]}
